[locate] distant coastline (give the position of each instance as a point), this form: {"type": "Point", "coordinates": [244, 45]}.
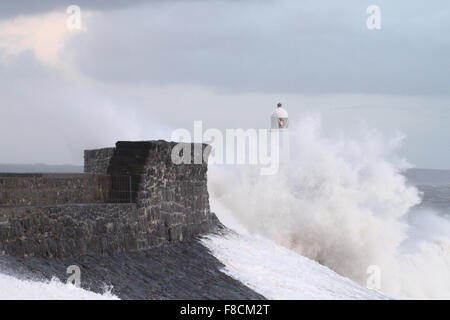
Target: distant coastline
{"type": "Point", "coordinates": [416, 176]}
{"type": "Point", "coordinates": [40, 168]}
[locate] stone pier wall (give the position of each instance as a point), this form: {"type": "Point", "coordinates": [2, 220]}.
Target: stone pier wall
{"type": "Point", "coordinates": [68, 230]}
{"type": "Point", "coordinates": [38, 189]}
{"type": "Point", "coordinates": [97, 161]}
{"type": "Point", "coordinates": [175, 195]}
{"type": "Point", "coordinates": [171, 204]}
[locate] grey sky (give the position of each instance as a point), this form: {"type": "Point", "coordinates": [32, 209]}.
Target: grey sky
{"type": "Point", "coordinates": [142, 69]}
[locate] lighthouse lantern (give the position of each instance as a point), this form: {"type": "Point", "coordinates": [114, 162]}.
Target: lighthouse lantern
{"type": "Point", "coordinates": [280, 118]}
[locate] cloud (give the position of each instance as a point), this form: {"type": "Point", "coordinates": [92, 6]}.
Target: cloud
{"type": "Point", "coordinates": [140, 71]}
{"type": "Point", "coordinates": [45, 35]}
{"type": "Point", "coordinates": [247, 46]}
{"type": "Point", "coordinates": [16, 8]}
{"type": "Point", "coordinates": [266, 46]}
{"type": "Point", "coordinates": [45, 117]}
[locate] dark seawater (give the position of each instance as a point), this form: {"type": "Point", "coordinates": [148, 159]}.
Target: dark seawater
{"type": "Point", "coordinates": [436, 197]}
{"type": "Point", "coordinates": [427, 176]}
{"type": "Point", "coordinates": [435, 188]}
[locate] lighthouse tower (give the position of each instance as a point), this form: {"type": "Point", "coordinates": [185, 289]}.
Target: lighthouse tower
{"type": "Point", "coordinates": [279, 127]}
{"type": "Point", "coordinates": [280, 119]}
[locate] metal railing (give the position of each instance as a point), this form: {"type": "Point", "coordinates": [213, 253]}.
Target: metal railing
{"type": "Point", "coordinates": [123, 189]}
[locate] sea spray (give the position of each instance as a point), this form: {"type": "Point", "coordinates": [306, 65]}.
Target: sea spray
{"type": "Point", "coordinates": [344, 203]}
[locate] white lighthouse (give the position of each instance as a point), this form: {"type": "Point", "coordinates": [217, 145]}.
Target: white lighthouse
{"type": "Point", "coordinates": [279, 127]}
{"type": "Point", "coordinates": [280, 119]}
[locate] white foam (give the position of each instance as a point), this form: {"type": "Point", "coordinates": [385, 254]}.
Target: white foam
{"type": "Point", "coordinates": [278, 273]}
{"type": "Point", "coordinates": [17, 289]}
{"type": "Point", "coordinates": [343, 203]}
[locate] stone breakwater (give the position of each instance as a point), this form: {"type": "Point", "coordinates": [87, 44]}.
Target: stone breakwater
{"type": "Point", "coordinates": [131, 222]}
{"type": "Point", "coordinates": [63, 230]}
{"type": "Point", "coordinates": [51, 188]}
{"type": "Point", "coordinates": [166, 203]}
{"type": "Point", "coordinates": [181, 270]}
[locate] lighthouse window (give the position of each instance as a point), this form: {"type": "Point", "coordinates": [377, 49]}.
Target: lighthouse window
{"type": "Point", "coordinates": [282, 123]}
